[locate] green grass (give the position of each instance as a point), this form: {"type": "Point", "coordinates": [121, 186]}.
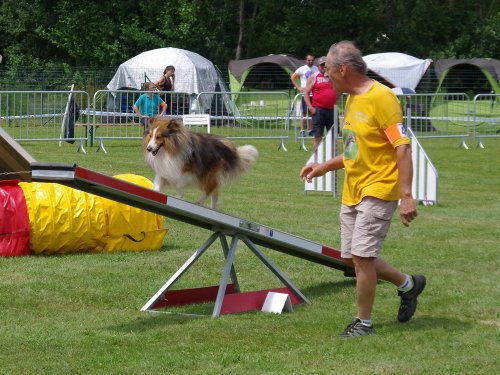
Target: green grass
{"type": "Point", "coordinates": [79, 314]}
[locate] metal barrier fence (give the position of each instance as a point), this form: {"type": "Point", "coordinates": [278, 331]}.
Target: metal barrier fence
{"type": "Point", "coordinates": [45, 115]}
{"type": "Point", "coordinates": [232, 115]}
{"type": "Point", "coordinates": [72, 117]}
{"type": "Point", "coordinates": [439, 115]}
{"type": "Point", "coordinates": [252, 115]}
{"type": "Point", "coordinates": [486, 117]}
{"type": "Point", "coordinates": [113, 117]}
{"type": "Point", "coordinates": [454, 115]}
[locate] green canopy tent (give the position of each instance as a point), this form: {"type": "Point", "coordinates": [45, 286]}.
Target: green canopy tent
{"type": "Point", "coordinates": [263, 79]}
{"type": "Point", "coordinates": [271, 72]}
{"type": "Point", "coordinates": [472, 77]}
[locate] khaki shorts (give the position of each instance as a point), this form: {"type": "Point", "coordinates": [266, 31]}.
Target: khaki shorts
{"type": "Point", "coordinates": [364, 227]}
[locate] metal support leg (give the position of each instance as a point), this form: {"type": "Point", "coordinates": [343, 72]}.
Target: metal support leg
{"type": "Point", "coordinates": [303, 144]}
{"type": "Point", "coordinates": [463, 144]}
{"type": "Point", "coordinates": [227, 270]}
{"type": "Point", "coordinates": [225, 249]}
{"type": "Point", "coordinates": [101, 146]}
{"type": "Point", "coordinates": [480, 142]}
{"type": "Point", "coordinates": [282, 145]}
{"type": "Point", "coordinates": [180, 272]}
{"type": "Point", "coordinates": [274, 269]}
{"type": "Point", "coordinates": [80, 148]}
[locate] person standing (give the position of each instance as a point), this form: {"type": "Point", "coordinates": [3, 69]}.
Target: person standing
{"type": "Point", "coordinates": [303, 73]}
{"type": "Point", "coordinates": [378, 174]}
{"type": "Point", "coordinates": [147, 105]}
{"type": "Point", "coordinates": [320, 98]}
{"type": "Point", "coordinates": [166, 83]}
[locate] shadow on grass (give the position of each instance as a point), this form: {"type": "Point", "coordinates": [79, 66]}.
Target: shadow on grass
{"type": "Point", "coordinates": [190, 313]}
{"type": "Point", "coordinates": [426, 323]}
{"type": "Point", "coordinates": [163, 318]}
{"type": "Point", "coordinates": [329, 288]}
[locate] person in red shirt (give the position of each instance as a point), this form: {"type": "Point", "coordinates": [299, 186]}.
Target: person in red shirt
{"type": "Point", "coordinates": [321, 105]}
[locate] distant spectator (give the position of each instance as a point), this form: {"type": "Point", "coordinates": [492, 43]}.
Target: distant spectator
{"type": "Point", "coordinates": [321, 103]}
{"type": "Point", "coordinates": [167, 83]}
{"type": "Point", "coordinates": [304, 72]}
{"type": "Point", "coordinates": [148, 105]}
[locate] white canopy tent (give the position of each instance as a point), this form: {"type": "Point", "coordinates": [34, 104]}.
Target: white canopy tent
{"type": "Point", "coordinates": [193, 73]}
{"type": "Point", "coordinates": [398, 69]}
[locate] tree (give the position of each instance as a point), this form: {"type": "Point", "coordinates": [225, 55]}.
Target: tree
{"type": "Point", "coordinates": [241, 20]}
{"type": "Point", "coordinates": [41, 33]}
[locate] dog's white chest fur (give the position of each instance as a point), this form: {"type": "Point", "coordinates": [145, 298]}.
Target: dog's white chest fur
{"type": "Point", "coordinates": [169, 170]}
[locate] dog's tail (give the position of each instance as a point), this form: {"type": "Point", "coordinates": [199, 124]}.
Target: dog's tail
{"type": "Point", "coordinates": [248, 156]}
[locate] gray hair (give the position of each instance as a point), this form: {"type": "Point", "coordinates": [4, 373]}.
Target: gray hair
{"type": "Point", "coordinates": [346, 52]}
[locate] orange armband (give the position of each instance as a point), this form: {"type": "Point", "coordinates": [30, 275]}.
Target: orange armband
{"type": "Point", "coordinates": [395, 132]}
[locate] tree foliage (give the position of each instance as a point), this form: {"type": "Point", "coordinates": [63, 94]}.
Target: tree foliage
{"type": "Point", "coordinates": [41, 33]}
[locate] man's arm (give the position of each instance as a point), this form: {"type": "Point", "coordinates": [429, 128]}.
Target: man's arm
{"type": "Point", "coordinates": [407, 209]}
{"type": "Point", "coordinates": [136, 110]}
{"type": "Point", "coordinates": [137, 106]}
{"type": "Point", "coordinates": [294, 78]}
{"type": "Point", "coordinates": [319, 169]}
{"type": "Point", "coordinates": [163, 106]}
{"type": "Point", "coordinates": [307, 91]}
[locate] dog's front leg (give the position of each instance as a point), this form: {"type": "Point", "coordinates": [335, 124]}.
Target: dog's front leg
{"type": "Point", "coordinates": [179, 193]}
{"type": "Point", "coordinates": [159, 184]}
{"type": "Point", "coordinates": [215, 201]}
{"type": "Point", "coordinates": [202, 199]}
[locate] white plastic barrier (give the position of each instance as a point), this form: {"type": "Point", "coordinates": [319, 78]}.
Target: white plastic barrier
{"type": "Point", "coordinates": [425, 176]}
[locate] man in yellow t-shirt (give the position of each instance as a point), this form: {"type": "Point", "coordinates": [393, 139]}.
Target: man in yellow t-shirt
{"type": "Point", "coordinates": [378, 174]}
{"type": "Point", "coordinates": [369, 154]}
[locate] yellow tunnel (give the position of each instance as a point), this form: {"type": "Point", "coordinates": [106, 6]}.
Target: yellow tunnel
{"type": "Point", "coordinates": [65, 220]}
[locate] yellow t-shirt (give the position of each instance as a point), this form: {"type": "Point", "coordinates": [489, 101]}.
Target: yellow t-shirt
{"type": "Point", "coordinates": [372, 130]}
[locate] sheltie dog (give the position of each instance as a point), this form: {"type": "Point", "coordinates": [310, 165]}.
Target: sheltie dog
{"type": "Point", "coordinates": [181, 158]}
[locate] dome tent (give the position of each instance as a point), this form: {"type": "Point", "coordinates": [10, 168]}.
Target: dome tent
{"type": "Point", "coordinates": [477, 75]}
{"type": "Point", "coordinates": [398, 69]}
{"type": "Point", "coordinates": [471, 77]}
{"type": "Point", "coordinates": [193, 72]}
{"type": "Point", "coordinates": [259, 70]}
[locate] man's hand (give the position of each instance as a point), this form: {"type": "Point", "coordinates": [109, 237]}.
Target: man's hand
{"type": "Point", "coordinates": [319, 169]}
{"type": "Point", "coordinates": [407, 210]}
{"type": "Point", "coordinates": [310, 171]}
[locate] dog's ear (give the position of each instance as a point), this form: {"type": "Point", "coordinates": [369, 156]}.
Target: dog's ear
{"type": "Point", "coordinates": [166, 133]}
{"type": "Point", "coordinates": [153, 122]}
{"type": "Point", "coordinates": [174, 124]}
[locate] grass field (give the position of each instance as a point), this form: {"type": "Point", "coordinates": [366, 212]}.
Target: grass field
{"type": "Point", "coordinates": [79, 314]}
